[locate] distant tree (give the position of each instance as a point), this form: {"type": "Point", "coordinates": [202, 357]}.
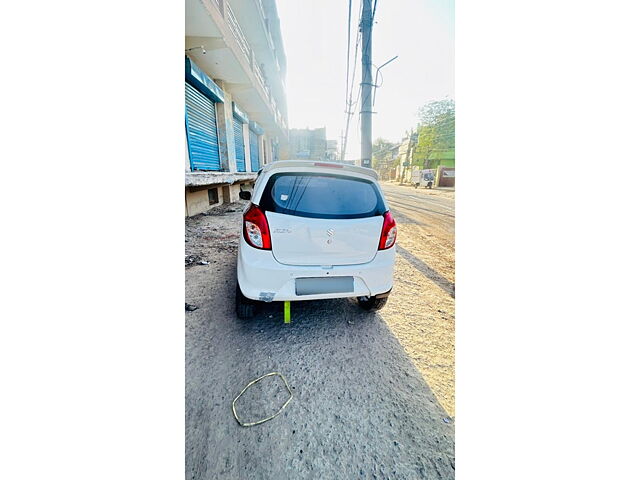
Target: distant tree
{"type": "Point", "coordinates": [436, 130]}
{"type": "Point", "coordinates": [435, 112]}
{"type": "Point", "coordinates": [425, 145]}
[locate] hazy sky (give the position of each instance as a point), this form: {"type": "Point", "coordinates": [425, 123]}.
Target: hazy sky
{"type": "Point", "coordinates": [421, 32]}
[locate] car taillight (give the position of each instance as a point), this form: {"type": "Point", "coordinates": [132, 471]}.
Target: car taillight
{"type": "Point", "coordinates": [389, 232]}
{"type": "Point", "coordinates": [256, 228]}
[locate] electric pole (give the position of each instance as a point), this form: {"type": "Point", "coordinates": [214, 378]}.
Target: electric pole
{"type": "Point", "coordinates": [366, 146]}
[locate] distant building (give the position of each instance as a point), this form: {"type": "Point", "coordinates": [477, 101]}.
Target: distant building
{"type": "Point", "coordinates": [332, 151]}
{"type": "Point", "coordinates": [444, 158]}
{"type": "Point", "coordinates": [406, 151]}
{"type": "Point", "coordinates": [308, 144]}
{"type": "Point", "coordinates": [235, 100]}
{"type": "Point", "coordinates": [385, 168]}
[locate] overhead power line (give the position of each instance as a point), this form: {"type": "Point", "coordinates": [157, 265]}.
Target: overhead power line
{"type": "Point", "coordinates": [350, 85]}
{"type": "Point", "coordinates": [346, 93]}
{"type": "Point", "coordinates": [350, 103]}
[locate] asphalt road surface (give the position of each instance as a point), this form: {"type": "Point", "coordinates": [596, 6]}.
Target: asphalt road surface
{"type": "Point", "coordinates": [373, 393]}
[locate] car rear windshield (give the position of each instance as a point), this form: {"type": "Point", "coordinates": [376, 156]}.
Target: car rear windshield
{"type": "Point", "coordinates": [321, 196]}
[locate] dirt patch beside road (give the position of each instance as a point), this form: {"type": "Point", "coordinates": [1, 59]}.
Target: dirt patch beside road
{"type": "Point", "coordinates": [208, 236]}
{"type": "Point", "coordinates": [421, 310]}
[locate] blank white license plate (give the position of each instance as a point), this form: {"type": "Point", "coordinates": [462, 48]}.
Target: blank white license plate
{"type": "Point", "coordinates": [317, 286]}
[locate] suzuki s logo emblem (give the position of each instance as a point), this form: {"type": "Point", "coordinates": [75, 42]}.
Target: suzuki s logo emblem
{"type": "Point", "coordinates": [330, 233]}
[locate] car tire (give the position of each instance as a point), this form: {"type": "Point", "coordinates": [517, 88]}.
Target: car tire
{"type": "Point", "coordinates": [372, 304]}
{"type": "Point", "coordinates": [245, 307]}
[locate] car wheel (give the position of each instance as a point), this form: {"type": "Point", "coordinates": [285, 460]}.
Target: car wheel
{"type": "Point", "coordinates": [372, 303]}
{"type": "Point", "coordinates": [245, 307]}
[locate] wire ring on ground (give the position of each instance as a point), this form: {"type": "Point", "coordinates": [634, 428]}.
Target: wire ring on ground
{"type": "Point", "coordinates": [251, 424]}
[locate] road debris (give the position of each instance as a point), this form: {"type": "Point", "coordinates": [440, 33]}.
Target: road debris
{"type": "Point", "coordinates": [190, 308]}
{"type": "Point", "coordinates": [251, 424]}
{"type": "Point", "coordinates": [190, 260]}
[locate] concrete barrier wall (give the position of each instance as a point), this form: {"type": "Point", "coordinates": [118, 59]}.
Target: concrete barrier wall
{"type": "Point", "coordinates": [446, 177]}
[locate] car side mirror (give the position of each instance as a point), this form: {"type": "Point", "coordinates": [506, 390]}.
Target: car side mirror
{"type": "Point", "coordinates": [245, 195]}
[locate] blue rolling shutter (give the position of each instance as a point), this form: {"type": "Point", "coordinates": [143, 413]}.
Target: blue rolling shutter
{"type": "Point", "coordinates": [239, 141]}
{"type": "Point", "coordinates": [202, 131]}
{"type": "Point", "coordinates": [253, 146]}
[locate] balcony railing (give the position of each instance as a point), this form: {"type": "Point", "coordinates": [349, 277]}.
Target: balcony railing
{"type": "Point", "coordinates": [243, 43]}
{"type": "Point", "coordinates": [238, 34]}
{"type": "Point", "coordinates": [260, 76]}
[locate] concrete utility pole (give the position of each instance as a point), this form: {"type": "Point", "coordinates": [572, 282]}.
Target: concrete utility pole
{"type": "Point", "coordinates": [366, 146]}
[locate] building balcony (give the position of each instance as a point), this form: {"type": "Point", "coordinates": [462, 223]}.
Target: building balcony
{"type": "Point", "coordinates": [238, 34]}
{"type": "Point", "coordinates": [231, 56]}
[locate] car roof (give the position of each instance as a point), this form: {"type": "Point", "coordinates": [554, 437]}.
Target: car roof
{"type": "Point", "coordinates": [324, 167]}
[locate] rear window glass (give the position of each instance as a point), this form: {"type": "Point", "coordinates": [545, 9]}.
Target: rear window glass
{"type": "Point", "coordinates": [321, 196]}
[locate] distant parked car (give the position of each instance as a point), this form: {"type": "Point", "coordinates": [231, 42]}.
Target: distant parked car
{"type": "Point", "coordinates": [315, 230]}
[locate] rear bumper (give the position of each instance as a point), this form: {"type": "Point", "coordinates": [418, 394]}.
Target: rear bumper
{"type": "Point", "coordinates": [261, 277]}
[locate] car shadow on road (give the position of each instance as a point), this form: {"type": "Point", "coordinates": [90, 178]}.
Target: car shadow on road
{"type": "Point", "coordinates": [427, 271]}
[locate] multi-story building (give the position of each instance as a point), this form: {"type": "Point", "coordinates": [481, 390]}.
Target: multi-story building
{"type": "Point", "coordinates": [308, 144]}
{"type": "Point", "coordinates": [235, 100]}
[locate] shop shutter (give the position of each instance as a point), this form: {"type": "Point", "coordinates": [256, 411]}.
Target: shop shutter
{"type": "Point", "coordinates": [253, 146]}
{"type": "Point", "coordinates": [239, 141]}
{"type": "Point", "coordinates": [202, 131]}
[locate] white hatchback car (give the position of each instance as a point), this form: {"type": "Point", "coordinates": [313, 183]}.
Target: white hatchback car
{"type": "Point", "coordinates": [315, 230]}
